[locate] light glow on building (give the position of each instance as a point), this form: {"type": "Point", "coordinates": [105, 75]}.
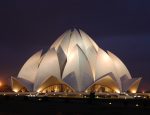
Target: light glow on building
{"type": "Point", "coordinates": [74, 63]}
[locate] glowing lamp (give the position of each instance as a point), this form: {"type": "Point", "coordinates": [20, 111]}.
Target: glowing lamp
{"type": "Point", "coordinates": [39, 90]}
{"type": "Point", "coordinates": [0, 84]}
{"type": "Point", "coordinates": [117, 91]}
{"type": "Point", "coordinates": [15, 90]}
{"type": "Point", "coordinates": [133, 91]}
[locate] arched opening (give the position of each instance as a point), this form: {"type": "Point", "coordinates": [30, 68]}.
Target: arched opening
{"type": "Point", "coordinates": [134, 87]}
{"type": "Point", "coordinates": [105, 84]}
{"type": "Point", "coordinates": [57, 88]}
{"type": "Point", "coordinates": [17, 86]}
{"type": "Point", "coordinates": [52, 84]}
{"type": "Point", "coordinates": [100, 88]}
{"type": "Point", "coordinates": [23, 89]}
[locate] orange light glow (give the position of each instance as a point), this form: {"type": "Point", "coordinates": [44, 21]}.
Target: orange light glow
{"type": "Point", "coordinates": [117, 91]}
{"type": "Point", "coordinates": [0, 83]}
{"type": "Point", "coordinates": [15, 90]}
{"type": "Point", "coordinates": [39, 90]}
{"type": "Point", "coordinates": [133, 91]}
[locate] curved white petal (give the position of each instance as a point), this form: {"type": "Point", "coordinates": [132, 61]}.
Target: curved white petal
{"type": "Point", "coordinates": [19, 83]}
{"type": "Point", "coordinates": [52, 81]}
{"type": "Point", "coordinates": [91, 54]}
{"type": "Point", "coordinates": [134, 86]}
{"type": "Point", "coordinates": [29, 69]}
{"type": "Point", "coordinates": [61, 58]}
{"type": "Point", "coordinates": [104, 65]}
{"type": "Point", "coordinates": [49, 67]}
{"type": "Point", "coordinates": [119, 65]}
{"type": "Point", "coordinates": [65, 42]}
{"type": "Point", "coordinates": [87, 40]}
{"type": "Point", "coordinates": [57, 43]}
{"type": "Point", "coordinates": [75, 40]}
{"type": "Point", "coordinates": [107, 81]}
{"type": "Point", "coordinates": [130, 84]}
{"type": "Point", "coordinates": [78, 63]}
{"type": "Point", "coordinates": [94, 44]}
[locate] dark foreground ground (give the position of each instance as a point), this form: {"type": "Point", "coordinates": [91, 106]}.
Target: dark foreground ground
{"type": "Point", "coordinates": [21, 105]}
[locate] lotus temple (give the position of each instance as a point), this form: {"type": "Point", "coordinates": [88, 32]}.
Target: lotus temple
{"type": "Point", "coordinates": [73, 64]}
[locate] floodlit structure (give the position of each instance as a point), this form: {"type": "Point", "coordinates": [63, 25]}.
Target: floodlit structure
{"type": "Point", "coordinates": [74, 63]}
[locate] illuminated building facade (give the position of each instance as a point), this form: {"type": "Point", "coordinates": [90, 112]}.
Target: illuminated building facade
{"type": "Point", "coordinates": [74, 63]}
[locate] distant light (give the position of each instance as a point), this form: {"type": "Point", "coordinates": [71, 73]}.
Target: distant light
{"type": "Point", "coordinates": [97, 96]}
{"type": "Point", "coordinates": [86, 91]}
{"type": "Point", "coordinates": [137, 105]}
{"type": "Point", "coordinates": [56, 89]}
{"type": "Point", "coordinates": [133, 91]}
{"type": "Point", "coordinates": [143, 91]}
{"type": "Point", "coordinates": [110, 103]}
{"type": "Point", "coordinates": [117, 91]}
{"type": "Point", "coordinates": [39, 90]}
{"type": "Point", "coordinates": [39, 99]}
{"type": "Point", "coordinates": [1, 84]}
{"type": "Point", "coordinates": [15, 90]}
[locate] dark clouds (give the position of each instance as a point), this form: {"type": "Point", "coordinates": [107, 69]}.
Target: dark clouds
{"type": "Point", "coordinates": [120, 26]}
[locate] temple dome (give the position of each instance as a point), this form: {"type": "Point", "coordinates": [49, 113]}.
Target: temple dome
{"type": "Point", "coordinates": [75, 61]}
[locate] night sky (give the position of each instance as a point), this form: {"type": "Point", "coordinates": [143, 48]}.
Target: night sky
{"type": "Point", "coordinates": [120, 26]}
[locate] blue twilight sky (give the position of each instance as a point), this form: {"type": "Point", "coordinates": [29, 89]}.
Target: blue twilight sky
{"type": "Point", "coordinates": [121, 26]}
